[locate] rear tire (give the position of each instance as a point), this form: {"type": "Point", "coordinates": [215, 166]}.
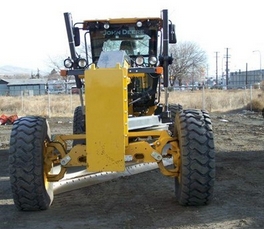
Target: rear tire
{"type": "Point", "coordinates": [195, 183]}
{"type": "Point", "coordinates": [174, 109]}
{"type": "Point", "coordinates": [30, 189]}
{"type": "Point", "coordinates": [79, 125]}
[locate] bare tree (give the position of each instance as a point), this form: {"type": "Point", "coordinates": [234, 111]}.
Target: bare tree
{"type": "Point", "coordinates": [188, 64]}
{"type": "Point", "coordinates": [56, 62]}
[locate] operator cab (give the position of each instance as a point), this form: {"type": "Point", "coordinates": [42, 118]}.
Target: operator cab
{"type": "Point", "coordinates": [141, 39]}
{"type": "Point", "coordinates": [137, 37]}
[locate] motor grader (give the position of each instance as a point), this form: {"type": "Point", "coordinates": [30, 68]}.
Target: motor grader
{"type": "Point", "coordinates": [121, 119]}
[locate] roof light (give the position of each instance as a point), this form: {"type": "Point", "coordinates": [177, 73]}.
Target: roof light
{"type": "Point", "coordinates": [139, 24]}
{"type": "Point", "coordinates": [149, 23]}
{"type": "Point", "coordinates": [97, 25]}
{"type": "Point", "coordinates": [106, 25]}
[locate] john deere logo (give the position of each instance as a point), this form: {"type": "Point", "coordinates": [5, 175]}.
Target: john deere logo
{"type": "Point", "coordinates": [123, 32]}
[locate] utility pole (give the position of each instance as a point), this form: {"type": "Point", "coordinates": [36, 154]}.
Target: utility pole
{"type": "Point", "coordinates": [227, 67]}
{"type": "Point", "coordinates": [216, 71]}
{"type": "Point", "coordinates": [246, 74]}
{"type": "Point", "coordinates": [260, 68]}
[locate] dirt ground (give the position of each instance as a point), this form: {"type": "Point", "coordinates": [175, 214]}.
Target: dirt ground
{"type": "Point", "coordinates": [146, 200]}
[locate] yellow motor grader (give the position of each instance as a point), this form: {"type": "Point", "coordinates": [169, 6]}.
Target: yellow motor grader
{"type": "Point", "coordinates": [121, 119]}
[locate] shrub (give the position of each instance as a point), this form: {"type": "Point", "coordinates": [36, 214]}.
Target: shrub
{"type": "Point", "coordinates": [256, 105]}
{"type": "Point", "coordinates": [262, 86]}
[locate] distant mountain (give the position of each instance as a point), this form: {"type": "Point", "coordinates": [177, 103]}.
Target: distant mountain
{"type": "Point", "coordinates": [10, 70]}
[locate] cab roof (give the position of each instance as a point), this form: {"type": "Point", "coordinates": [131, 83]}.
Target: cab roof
{"type": "Point", "coordinates": [149, 21]}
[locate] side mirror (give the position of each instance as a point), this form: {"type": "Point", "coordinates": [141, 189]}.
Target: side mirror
{"type": "Point", "coordinates": [172, 34]}
{"type": "Point", "coordinates": [76, 35]}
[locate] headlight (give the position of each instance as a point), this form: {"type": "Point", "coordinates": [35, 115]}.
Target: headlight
{"type": "Point", "coordinates": [140, 60]}
{"type": "Point", "coordinates": [82, 63]}
{"type": "Point", "coordinates": [68, 63]}
{"type": "Point", "coordinates": [152, 60]}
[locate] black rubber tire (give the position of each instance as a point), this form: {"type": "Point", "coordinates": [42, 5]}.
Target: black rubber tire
{"type": "Point", "coordinates": [30, 189]}
{"type": "Point", "coordinates": [174, 109]}
{"type": "Point", "coordinates": [78, 125]}
{"type": "Point", "coordinates": [195, 184]}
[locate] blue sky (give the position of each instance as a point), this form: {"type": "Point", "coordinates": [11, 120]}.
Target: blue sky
{"type": "Point", "coordinates": [34, 31]}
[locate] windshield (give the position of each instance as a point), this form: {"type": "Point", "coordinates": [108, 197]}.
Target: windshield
{"type": "Point", "coordinates": [133, 40]}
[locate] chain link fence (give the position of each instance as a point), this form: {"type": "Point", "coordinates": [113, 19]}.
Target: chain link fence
{"type": "Point", "coordinates": [63, 105]}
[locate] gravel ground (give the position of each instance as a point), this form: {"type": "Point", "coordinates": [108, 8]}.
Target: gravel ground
{"type": "Point", "coordinates": [146, 200]}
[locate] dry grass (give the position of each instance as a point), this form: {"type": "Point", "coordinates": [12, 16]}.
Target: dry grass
{"type": "Point", "coordinates": [64, 105]}
{"type": "Point", "coordinates": [44, 105]}
{"type": "Point", "coordinates": [220, 100]}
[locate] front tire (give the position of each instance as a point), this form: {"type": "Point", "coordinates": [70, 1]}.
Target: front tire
{"type": "Point", "coordinates": [30, 188]}
{"type": "Point", "coordinates": [195, 183]}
